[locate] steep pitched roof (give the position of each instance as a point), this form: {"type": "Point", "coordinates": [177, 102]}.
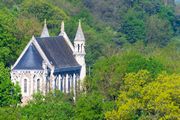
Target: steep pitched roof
{"type": "Point", "coordinates": [58, 52]}
{"type": "Point", "coordinates": [31, 60]}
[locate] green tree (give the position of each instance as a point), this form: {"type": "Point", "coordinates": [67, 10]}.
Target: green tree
{"type": "Point", "coordinates": [10, 113]}
{"type": "Point", "coordinates": [10, 3]}
{"type": "Point", "coordinates": [133, 26]}
{"type": "Point", "coordinates": [54, 106]}
{"type": "Point", "coordinates": [27, 26]}
{"type": "Point", "coordinates": [151, 7]}
{"type": "Point", "coordinates": [44, 10]}
{"type": "Point", "coordinates": [169, 55]}
{"type": "Point", "coordinates": [8, 41]}
{"type": "Point", "coordinates": [8, 48]}
{"type": "Point", "coordinates": [143, 97]}
{"type": "Point", "coordinates": [108, 72]}
{"type": "Point", "coordinates": [158, 31]}
{"type": "Point", "coordinates": [140, 63]}
{"type": "Point", "coordinates": [91, 106]}
{"type": "Point", "coordinates": [9, 93]}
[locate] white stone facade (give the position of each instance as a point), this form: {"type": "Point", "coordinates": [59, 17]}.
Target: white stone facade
{"type": "Point", "coordinates": [29, 87]}
{"type": "Point", "coordinates": [33, 81]}
{"type": "Point", "coordinates": [37, 81]}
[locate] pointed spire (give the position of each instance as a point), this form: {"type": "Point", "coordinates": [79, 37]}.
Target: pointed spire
{"type": "Point", "coordinates": [45, 32]}
{"type": "Point", "coordinates": [33, 38]}
{"type": "Point", "coordinates": [79, 33]}
{"type": "Point", "coordinates": [62, 27]}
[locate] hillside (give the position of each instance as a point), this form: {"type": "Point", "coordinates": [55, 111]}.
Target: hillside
{"type": "Point", "coordinates": [28, 16]}
{"type": "Point", "coordinates": [106, 23]}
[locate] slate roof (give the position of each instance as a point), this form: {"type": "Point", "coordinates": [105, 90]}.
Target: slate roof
{"type": "Point", "coordinates": [31, 60]}
{"type": "Point", "coordinates": [58, 52]}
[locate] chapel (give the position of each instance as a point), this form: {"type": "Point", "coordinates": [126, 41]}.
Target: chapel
{"type": "Point", "coordinates": [51, 63]}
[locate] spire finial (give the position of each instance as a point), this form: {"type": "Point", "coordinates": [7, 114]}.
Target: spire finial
{"type": "Point", "coordinates": [33, 37]}
{"type": "Point", "coordinates": [45, 22]}
{"type": "Point", "coordinates": [62, 26]}
{"type": "Point", "coordinates": [79, 22]}
{"type": "Point", "coordinates": [45, 32]}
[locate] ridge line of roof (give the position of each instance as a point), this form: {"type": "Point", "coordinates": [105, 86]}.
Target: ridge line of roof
{"type": "Point", "coordinates": [49, 37]}
{"type": "Point", "coordinates": [69, 67]}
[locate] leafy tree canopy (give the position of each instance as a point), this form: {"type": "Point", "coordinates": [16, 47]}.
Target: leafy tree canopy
{"type": "Point", "coordinates": [108, 73]}
{"type": "Point", "coordinates": [145, 98]}
{"type": "Point", "coordinates": [9, 93]}
{"type": "Point", "coordinates": [54, 106]}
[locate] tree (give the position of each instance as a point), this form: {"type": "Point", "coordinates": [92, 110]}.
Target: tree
{"type": "Point", "coordinates": [139, 63]}
{"type": "Point", "coordinates": [27, 26]}
{"type": "Point", "coordinates": [151, 7]}
{"type": "Point", "coordinates": [143, 97]}
{"type": "Point", "coordinates": [10, 3]}
{"type": "Point", "coordinates": [91, 106]}
{"type": "Point", "coordinates": [8, 45]}
{"type": "Point", "coordinates": [158, 31]}
{"type": "Point", "coordinates": [44, 10]}
{"type": "Point", "coordinates": [9, 93]}
{"type": "Point", "coordinates": [8, 42]}
{"type": "Point", "coordinates": [133, 26]}
{"type": "Point", "coordinates": [54, 106]}
{"type": "Point", "coordinates": [169, 55]}
{"type": "Point", "coordinates": [107, 11]}
{"type": "Point", "coordinates": [10, 113]}
{"type": "Point", "coordinates": [108, 72]}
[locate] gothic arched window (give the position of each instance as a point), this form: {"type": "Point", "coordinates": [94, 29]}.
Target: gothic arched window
{"type": "Point", "coordinates": [25, 85]}
{"type": "Point", "coordinates": [38, 84]}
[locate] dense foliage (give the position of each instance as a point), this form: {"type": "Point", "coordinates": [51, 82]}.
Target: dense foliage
{"type": "Point", "coordinates": [142, 97]}
{"type": "Point", "coordinates": [9, 93]}
{"type": "Point", "coordinates": [132, 58]}
{"type": "Point", "coordinates": [54, 105]}
{"type": "Point", "coordinates": [108, 79]}
{"type": "Point", "coordinates": [133, 18]}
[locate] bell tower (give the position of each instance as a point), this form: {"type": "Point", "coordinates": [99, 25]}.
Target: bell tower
{"type": "Point", "coordinates": [79, 50]}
